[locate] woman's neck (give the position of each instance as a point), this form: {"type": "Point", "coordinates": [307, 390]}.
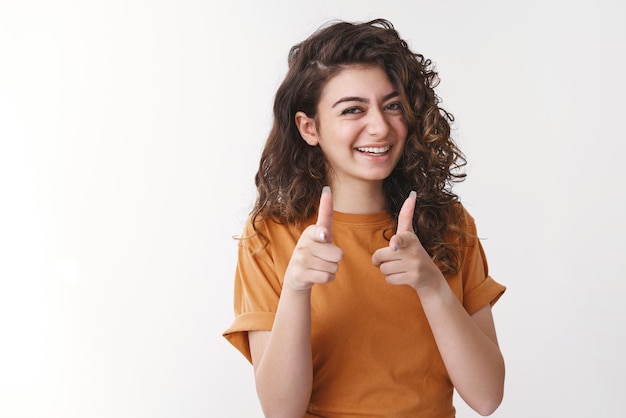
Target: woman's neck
{"type": "Point", "coordinates": [358, 198]}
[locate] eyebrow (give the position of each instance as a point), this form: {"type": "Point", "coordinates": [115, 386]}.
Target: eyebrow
{"type": "Point", "coordinates": [363, 100]}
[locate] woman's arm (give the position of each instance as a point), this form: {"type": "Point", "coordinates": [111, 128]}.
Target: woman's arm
{"type": "Point", "coordinates": [282, 357]}
{"type": "Point", "coordinates": [468, 347]}
{"type": "Point", "coordinates": [467, 344]}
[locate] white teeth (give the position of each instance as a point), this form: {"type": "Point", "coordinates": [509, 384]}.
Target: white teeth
{"type": "Point", "coordinates": [374, 150]}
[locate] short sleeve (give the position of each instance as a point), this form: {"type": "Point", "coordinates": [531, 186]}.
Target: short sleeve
{"type": "Point", "coordinates": [479, 288]}
{"type": "Point", "coordinates": [256, 291]}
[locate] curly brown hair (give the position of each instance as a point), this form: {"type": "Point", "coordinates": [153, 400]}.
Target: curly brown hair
{"type": "Point", "coordinates": [291, 173]}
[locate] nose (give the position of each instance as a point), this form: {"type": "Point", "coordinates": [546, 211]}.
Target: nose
{"type": "Point", "coordinates": [377, 124]}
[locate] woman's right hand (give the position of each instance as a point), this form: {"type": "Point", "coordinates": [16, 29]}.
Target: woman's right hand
{"type": "Point", "coordinates": [315, 258]}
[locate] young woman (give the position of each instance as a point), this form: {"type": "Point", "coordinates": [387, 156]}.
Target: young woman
{"type": "Point", "coordinates": [361, 289]}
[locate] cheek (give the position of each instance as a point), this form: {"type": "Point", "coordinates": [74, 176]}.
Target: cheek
{"type": "Point", "coordinates": [340, 134]}
{"type": "Point", "coordinates": [402, 131]}
{"type": "Point", "coordinates": [400, 148]}
{"type": "Point", "coordinates": [402, 127]}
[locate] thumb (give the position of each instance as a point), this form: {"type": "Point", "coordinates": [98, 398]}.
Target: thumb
{"type": "Point", "coordinates": [325, 215]}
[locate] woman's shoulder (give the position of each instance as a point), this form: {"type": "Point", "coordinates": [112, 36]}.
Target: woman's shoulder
{"type": "Point", "coordinates": [268, 223]}
{"type": "Point", "coordinates": [260, 230]}
{"type": "Point", "coordinates": [461, 225]}
{"type": "Point", "coordinates": [465, 219]}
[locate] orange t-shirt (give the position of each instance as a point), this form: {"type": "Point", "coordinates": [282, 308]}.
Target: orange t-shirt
{"type": "Point", "coordinates": [374, 354]}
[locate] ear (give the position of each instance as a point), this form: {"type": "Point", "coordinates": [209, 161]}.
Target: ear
{"type": "Point", "coordinates": [306, 126]}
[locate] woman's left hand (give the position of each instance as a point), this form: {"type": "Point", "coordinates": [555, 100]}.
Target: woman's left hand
{"type": "Point", "coordinates": [405, 261]}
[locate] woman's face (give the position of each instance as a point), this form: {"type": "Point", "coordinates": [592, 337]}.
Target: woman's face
{"type": "Point", "coordinates": [361, 127]}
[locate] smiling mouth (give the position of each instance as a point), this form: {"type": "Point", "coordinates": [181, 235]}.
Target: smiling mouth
{"type": "Point", "coordinates": [374, 150]}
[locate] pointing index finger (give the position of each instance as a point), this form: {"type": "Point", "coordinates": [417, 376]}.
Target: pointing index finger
{"type": "Point", "coordinates": [325, 213]}
{"type": "Point", "coordinates": [405, 217]}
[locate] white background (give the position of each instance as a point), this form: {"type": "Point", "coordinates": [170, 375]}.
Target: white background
{"type": "Point", "coordinates": [129, 136]}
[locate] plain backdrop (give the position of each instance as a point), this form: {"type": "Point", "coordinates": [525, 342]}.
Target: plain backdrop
{"type": "Point", "coordinates": [129, 136]}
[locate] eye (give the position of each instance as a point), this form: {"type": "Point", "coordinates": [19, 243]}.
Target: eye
{"type": "Point", "coordinates": [395, 107]}
{"type": "Point", "coordinates": [351, 111]}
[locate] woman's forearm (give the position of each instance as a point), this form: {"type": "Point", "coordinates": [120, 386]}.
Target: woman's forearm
{"type": "Point", "coordinates": [468, 347]}
{"type": "Point", "coordinates": [284, 374]}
